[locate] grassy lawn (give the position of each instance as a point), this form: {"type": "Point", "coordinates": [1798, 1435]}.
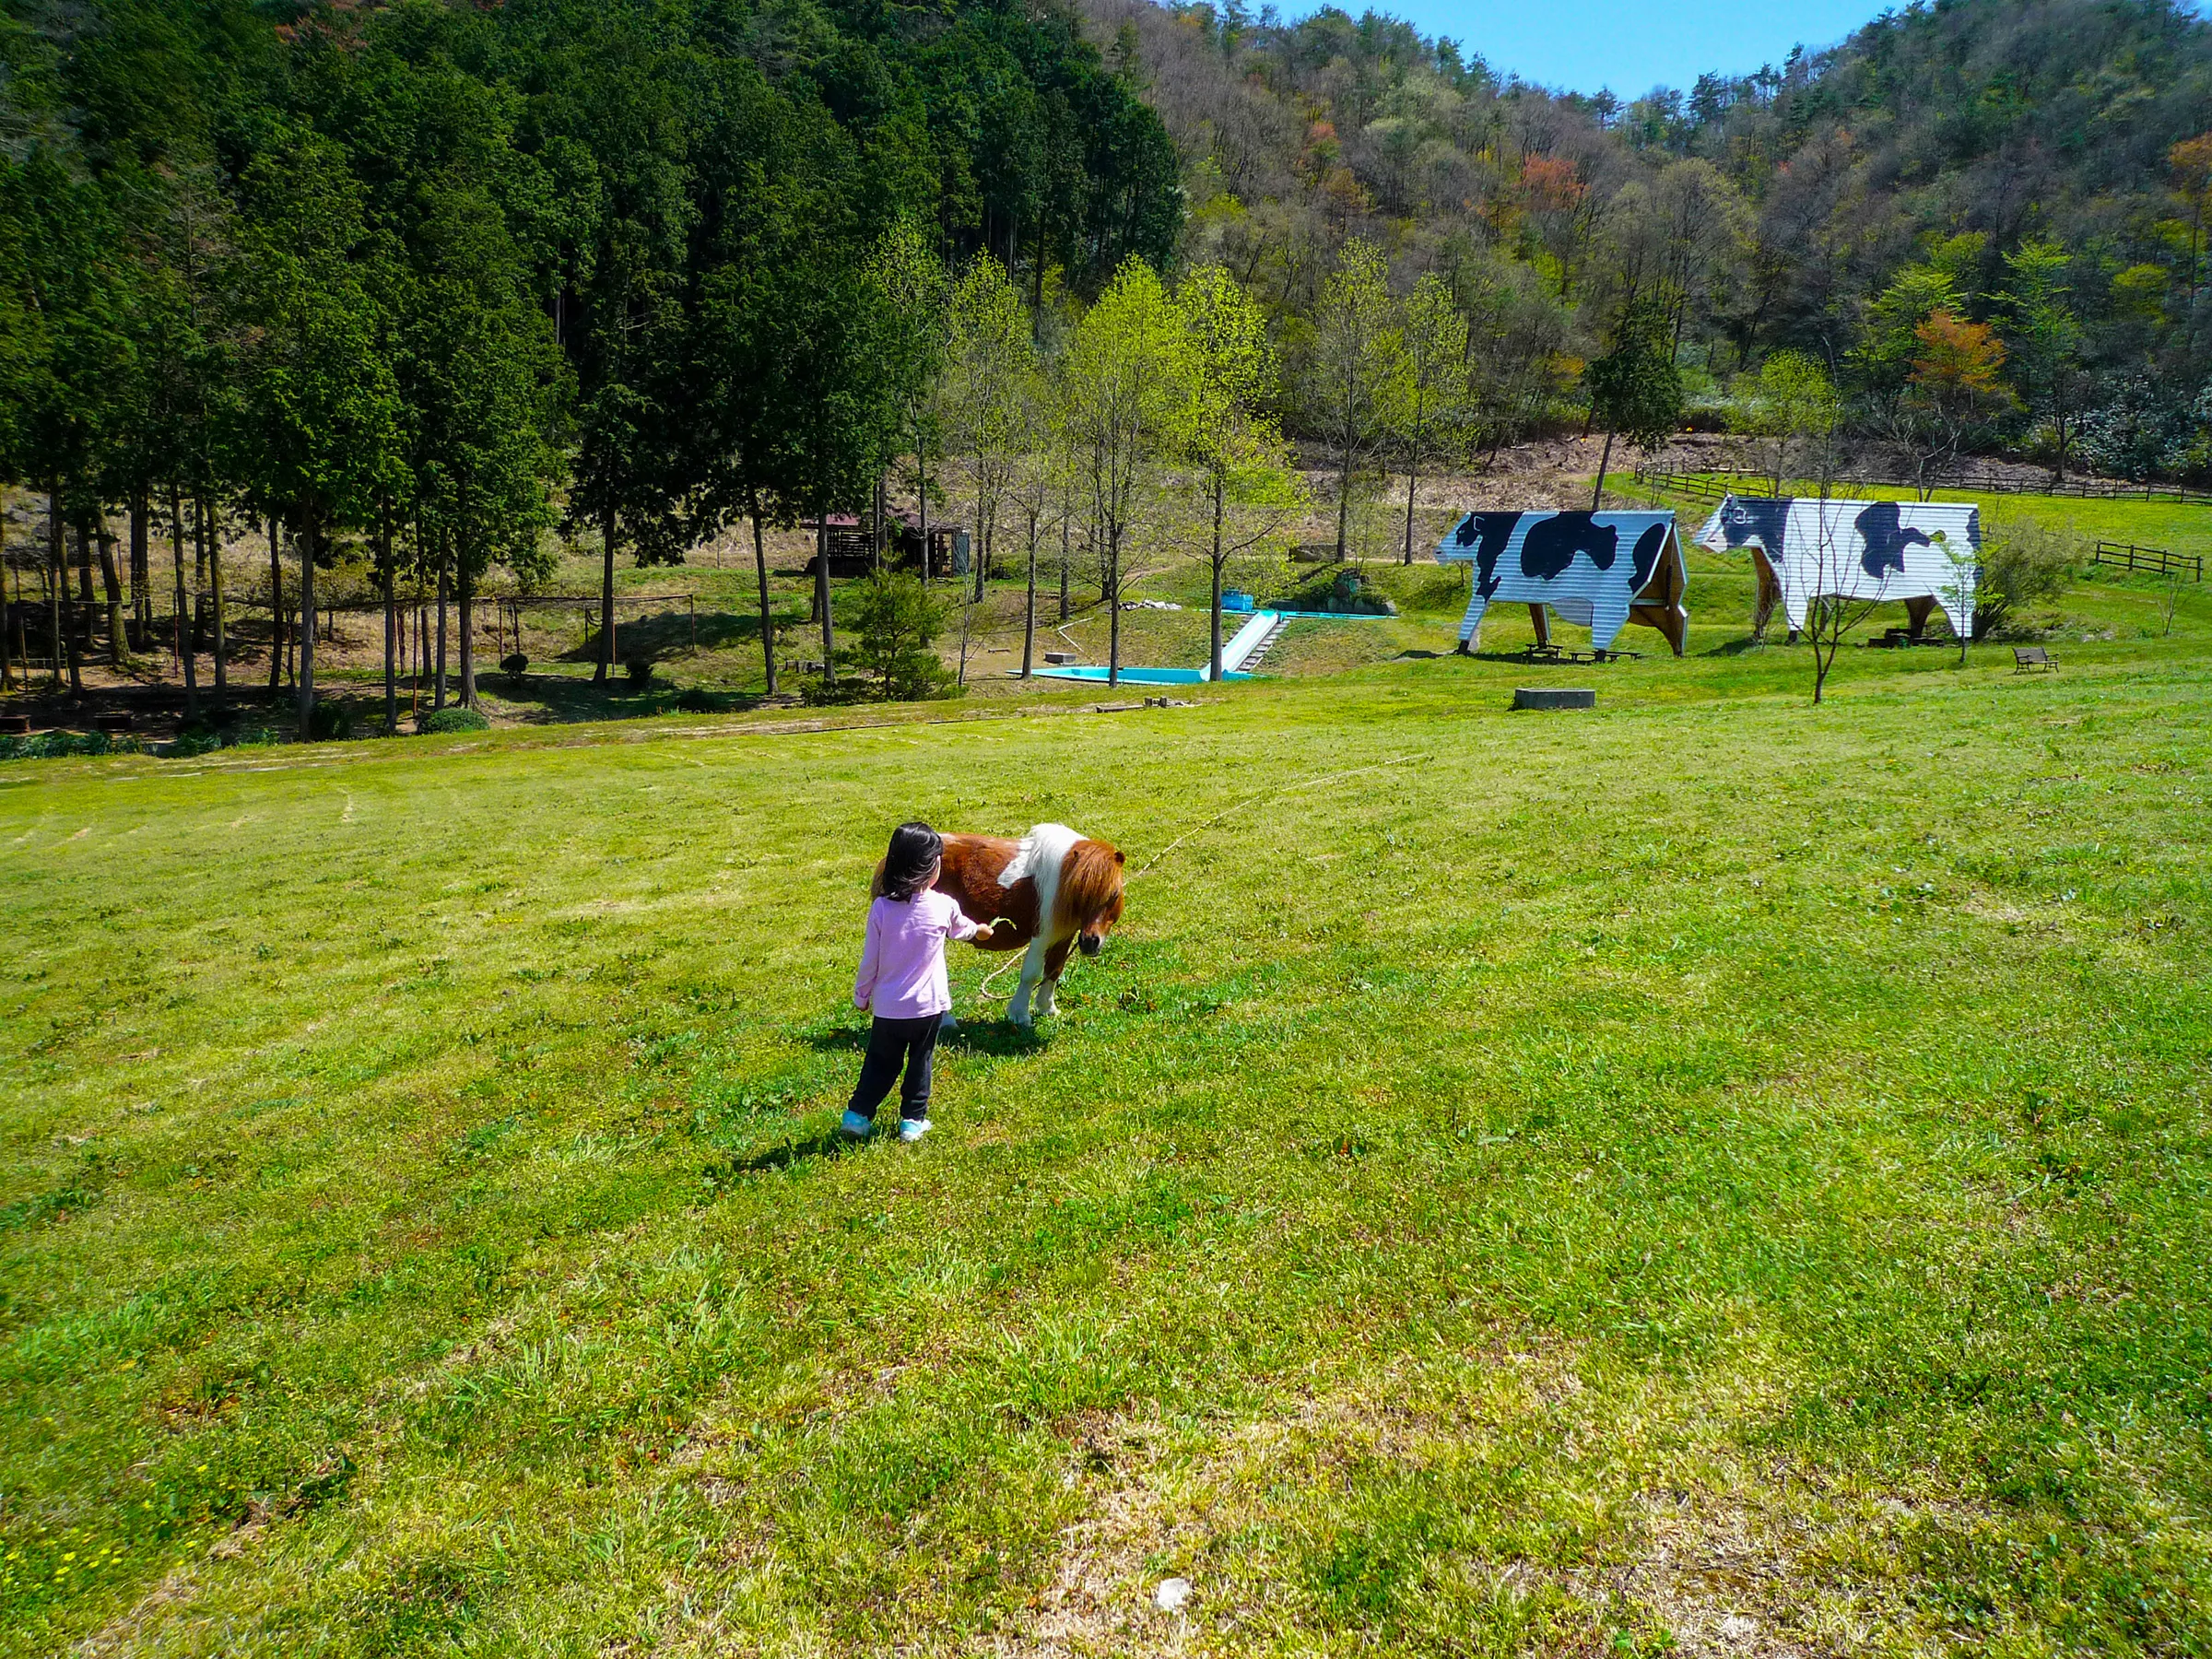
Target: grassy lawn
{"type": "Point", "coordinates": [1711, 1175]}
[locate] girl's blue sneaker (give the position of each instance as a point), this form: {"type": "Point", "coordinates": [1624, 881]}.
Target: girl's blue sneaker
{"type": "Point", "coordinates": [855, 1128]}
{"type": "Point", "coordinates": [912, 1129]}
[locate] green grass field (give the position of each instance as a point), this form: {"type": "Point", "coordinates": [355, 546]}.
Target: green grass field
{"type": "Point", "coordinates": [1712, 1174]}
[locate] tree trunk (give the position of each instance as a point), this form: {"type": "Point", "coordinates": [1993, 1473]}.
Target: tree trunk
{"type": "Point", "coordinates": [218, 610]}
{"type": "Point", "coordinates": [604, 666]}
{"type": "Point", "coordinates": [1344, 502]}
{"type": "Point", "coordinates": [1412, 472]}
{"type": "Point", "coordinates": [1065, 560]}
{"type": "Point", "coordinates": [58, 557]}
{"type": "Point", "coordinates": [1028, 607]}
{"type": "Point", "coordinates": [391, 628]}
{"type": "Point", "coordinates": [921, 474]}
{"type": "Point", "coordinates": [113, 582]}
{"type": "Point", "coordinates": [307, 626]}
{"type": "Point", "coordinates": [1113, 604]}
{"type": "Point", "coordinates": [468, 632]}
{"type": "Point", "coordinates": [438, 695]}
{"type": "Point", "coordinates": [767, 625]}
{"type": "Point", "coordinates": [183, 645]}
{"type": "Point", "coordinates": [276, 603]}
{"type": "Point", "coordinates": [1604, 459]}
{"type": "Point", "coordinates": [142, 603]}
{"type": "Point", "coordinates": [80, 622]}
{"type": "Point", "coordinates": [821, 591]}
{"type": "Point", "coordinates": [86, 604]}
{"type": "Point", "coordinates": [1214, 658]}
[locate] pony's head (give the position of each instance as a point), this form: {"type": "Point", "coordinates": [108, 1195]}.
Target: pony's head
{"type": "Point", "coordinates": [1090, 892]}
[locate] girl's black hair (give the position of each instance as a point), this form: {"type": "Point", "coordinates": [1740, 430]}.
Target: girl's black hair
{"type": "Point", "coordinates": [915, 849]}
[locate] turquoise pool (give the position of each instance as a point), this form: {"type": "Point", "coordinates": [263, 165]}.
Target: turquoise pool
{"type": "Point", "coordinates": [1136, 676]}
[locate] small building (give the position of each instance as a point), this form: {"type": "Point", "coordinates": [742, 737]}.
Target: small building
{"type": "Point", "coordinates": [851, 545]}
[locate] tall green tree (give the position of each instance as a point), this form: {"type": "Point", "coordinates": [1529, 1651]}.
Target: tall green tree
{"type": "Point", "coordinates": [1634, 390]}
{"type": "Point", "coordinates": [916, 293]}
{"type": "Point", "coordinates": [2045, 338]}
{"type": "Point", "coordinates": [318, 421]}
{"type": "Point", "coordinates": [988, 363]}
{"type": "Point", "coordinates": [1248, 486]}
{"type": "Point", "coordinates": [841, 412]}
{"type": "Point", "coordinates": [1433, 409]}
{"type": "Point", "coordinates": [1356, 368]}
{"type": "Point", "coordinates": [1125, 384]}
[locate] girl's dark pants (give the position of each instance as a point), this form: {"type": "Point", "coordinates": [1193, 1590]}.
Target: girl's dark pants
{"type": "Point", "coordinates": [892, 1042]}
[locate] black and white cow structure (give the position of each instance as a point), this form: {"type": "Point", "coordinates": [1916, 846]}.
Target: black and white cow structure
{"type": "Point", "coordinates": [1923, 553]}
{"type": "Point", "coordinates": [1597, 570]}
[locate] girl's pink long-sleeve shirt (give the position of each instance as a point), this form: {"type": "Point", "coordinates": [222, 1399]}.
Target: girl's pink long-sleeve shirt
{"type": "Point", "coordinates": [902, 965]}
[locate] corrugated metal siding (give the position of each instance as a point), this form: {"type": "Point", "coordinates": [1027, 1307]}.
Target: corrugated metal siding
{"type": "Point", "coordinates": [1588, 566]}
{"type": "Point", "coordinates": [1858, 549]}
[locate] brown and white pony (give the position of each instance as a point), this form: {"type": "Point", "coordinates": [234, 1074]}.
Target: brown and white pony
{"type": "Point", "coordinates": [1057, 889]}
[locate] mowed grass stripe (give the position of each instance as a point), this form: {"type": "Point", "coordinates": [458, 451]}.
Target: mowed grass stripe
{"type": "Point", "coordinates": [1471, 1203]}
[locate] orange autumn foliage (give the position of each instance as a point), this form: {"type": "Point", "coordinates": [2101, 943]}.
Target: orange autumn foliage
{"type": "Point", "coordinates": [1956, 354]}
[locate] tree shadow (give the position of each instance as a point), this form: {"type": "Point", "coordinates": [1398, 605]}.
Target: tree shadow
{"type": "Point", "coordinates": [671, 633]}
{"type": "Point", "coordinates": [1731, 648]}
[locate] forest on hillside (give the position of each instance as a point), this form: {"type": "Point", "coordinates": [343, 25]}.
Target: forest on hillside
{"type": "Point", "coordinates": [415, 285]}
{"type": "Point", "coordinates": [2034, 171]}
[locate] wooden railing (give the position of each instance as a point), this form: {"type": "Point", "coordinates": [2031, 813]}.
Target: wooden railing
{"type": "Point", "coordinates": [1716, 482]}
{"type": "Point", "coordinates": [2159, 560]}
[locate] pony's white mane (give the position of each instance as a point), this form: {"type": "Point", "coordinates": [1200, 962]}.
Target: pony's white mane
{"type": "Point", "coordinates": [1043, 855]}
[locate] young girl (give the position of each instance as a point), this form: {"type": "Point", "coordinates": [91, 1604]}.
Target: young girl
{"type": "Point", "coordinates": [902, 978]}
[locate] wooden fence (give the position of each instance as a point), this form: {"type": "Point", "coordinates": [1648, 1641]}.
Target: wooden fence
{"type": "Point", "coordinates": [1713, 484]}
{"type": "Point", "coordinates": [2158, 561]}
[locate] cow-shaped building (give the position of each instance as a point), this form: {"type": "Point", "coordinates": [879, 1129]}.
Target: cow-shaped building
{"type": "Point", "coordinates": [1596, 569]}
{"type": "Point", "coordinates": [1923, 553]}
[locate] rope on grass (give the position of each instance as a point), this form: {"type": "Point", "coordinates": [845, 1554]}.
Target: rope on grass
{"type": "Point", "coordinates": [1272, 794]}
{"type": "Point", "coordinates": [983, 991]}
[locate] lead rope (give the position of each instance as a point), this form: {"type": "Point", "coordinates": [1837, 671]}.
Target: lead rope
{"type": "Point", "coordinates": [983, 991]}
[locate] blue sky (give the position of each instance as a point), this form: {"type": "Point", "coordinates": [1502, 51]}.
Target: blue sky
{"type": "Point", "coordinates": [1584, 44]}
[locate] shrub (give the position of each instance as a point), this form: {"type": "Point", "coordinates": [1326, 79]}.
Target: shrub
{"type": "Point", "coordinates": [194, 740]}
{"type": "Point", "coordinates": [897, 622]}
{"type": "Point", "coordinates": [692, 700]}
{"type": "Point", "coordinates": [330, 722]}
{"type": "Point", "coordinates": [52, 745]}
{"type": "Point", "coordinates": [456, 719]}
{"type": "Point", "coordinates": [639, 672]}
{"type": "Point", "coordinates": [515, 664]}
{"type": "Point", "coordinates": [2021, 565]}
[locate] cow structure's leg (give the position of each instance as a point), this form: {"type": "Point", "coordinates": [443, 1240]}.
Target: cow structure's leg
{"type": "Point", "coordinates": [1033, 969]}
{"type": "Point", "coordinates": [1542, 624]}
{"type": "Point", "coordinates": [1916, 614]}
{"type": "Point", "coordinates": [1054, 959]}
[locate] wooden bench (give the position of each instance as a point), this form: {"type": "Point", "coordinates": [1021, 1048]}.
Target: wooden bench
{"type": "Point", "coordinates": [2027, 657]}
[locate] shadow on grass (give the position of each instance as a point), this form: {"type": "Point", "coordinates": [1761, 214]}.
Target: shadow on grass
{"type": "Point", "coordinates": [828, 1143]}
{"type": "Point", "coordinates": [998, 1038]}
{"type": "Point", "coordinates": [674, 632]}
{"type": "Point", "coordinates": [1733, 648]}
{"type": "Point", "coordinates": [563, 700]}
